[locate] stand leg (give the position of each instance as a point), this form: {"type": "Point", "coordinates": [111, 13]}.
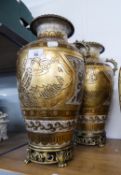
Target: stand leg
{"type": "Point", "coordinates": [27, 160]}
{"type": "Point", "coordinates": [61, 159]}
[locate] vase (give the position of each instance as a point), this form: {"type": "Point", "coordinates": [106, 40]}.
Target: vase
{"type": "Point", "coordinates": [98, 86]}
{"type": "Point", "coordinates": [119, 86]}
{"type": "Point", "coordinates": [50, 74]}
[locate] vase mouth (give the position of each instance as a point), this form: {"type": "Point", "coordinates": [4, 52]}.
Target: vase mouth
{"type": "Point", "coordinates": [96, 45]}
{"type": "Point", "coordinates": [52, 18]}
{"type": "Point", "coordinates": [89, 44]}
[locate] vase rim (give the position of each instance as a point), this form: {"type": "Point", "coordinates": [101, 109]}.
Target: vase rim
{"type": "Point", "coordinates": [53, 18]}
{"type": "Point", "coordinates": [83, 44]}
{"type": "Point", "coordinates": [96, 45]}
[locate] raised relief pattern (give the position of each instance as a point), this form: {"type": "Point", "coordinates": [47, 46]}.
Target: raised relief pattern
{"type": "Point", "coordinates": [41, 126]}
{"type": "Point", "coordinates": [77, 64]}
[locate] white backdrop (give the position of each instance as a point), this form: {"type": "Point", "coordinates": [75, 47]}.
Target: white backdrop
{"type": "Point", "coordinates": [94, 20]}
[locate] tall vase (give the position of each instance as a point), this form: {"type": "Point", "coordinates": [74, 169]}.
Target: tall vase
{"type": "Point", "coordinates": [98, 86]}
{"type": "Point", "coordinates": [119, 86]}
{"type": "Point", "coordinates": [50, 75]}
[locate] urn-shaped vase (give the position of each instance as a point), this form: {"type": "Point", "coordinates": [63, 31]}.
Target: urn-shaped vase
{"type": "Point", "coordinates": [98, 86]}
{"type": "Point", "coordinates": [50, 74]}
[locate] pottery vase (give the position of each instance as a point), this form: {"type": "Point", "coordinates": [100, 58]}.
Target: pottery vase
{"type": "Point", "coordinates": [98, 88]}
{"type": "Point", "coordinates": [119, 86]}
{"type": "Point", "coordinates": [50, 74]}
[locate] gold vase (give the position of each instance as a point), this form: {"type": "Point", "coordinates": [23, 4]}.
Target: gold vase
{"type": "Point", "coordinates": [98, 85]}
{"type": "Point", "coordinates": [50, 75]}
{"type": "Point", "coordinates": [119, 86]}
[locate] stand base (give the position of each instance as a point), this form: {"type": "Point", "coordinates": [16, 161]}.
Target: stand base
{"type": "Point", "coordinates": [94, 139]}
{"type": "Point", "coordinates": [46, 156]}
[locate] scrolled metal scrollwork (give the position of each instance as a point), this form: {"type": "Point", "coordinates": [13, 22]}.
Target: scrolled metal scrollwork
{"type": "Point", "coordinates": [46, 157]}
{"type": "Point", "coordinates": [49, 126]}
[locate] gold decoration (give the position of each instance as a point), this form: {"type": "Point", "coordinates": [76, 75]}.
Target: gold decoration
{"type": "Point", "coordinates": [98, 86]}
{"type": "Point", "coordinates": [119, 87]}
{"type": "Point", "coordinates": [44, 156]}
{"type": "Point", "coordinates": [50, 75]}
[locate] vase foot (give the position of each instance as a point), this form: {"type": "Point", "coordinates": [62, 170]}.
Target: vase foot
{"type": "Point", "coordinates": [49, 156]}
{"type": "Point", "coordinates": [94, 139]}
{"type": "Point", "coordinates": [26, 161]}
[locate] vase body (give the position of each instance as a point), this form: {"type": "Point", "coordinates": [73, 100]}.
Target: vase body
{"type": "Point", "coordinates": [119, 86]}
{"type": "Point", "coordinates": [98, 85]}
{"type": "Point", "coordinates": [50, 76]}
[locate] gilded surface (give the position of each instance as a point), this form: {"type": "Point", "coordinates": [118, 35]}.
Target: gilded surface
{"type": "Point", "coordinates": [49, 81]}
{"type": "Point", "coordinates": [119, 87]}
{"type": "Point", "coordinates": [55, 156]}
{"type": "Point", "coordinates": [60, 139]}
{"type": "Point", "coordinates": [92, 139]}
{"type": "Point", "coordinates": [50, 75]}
{"type": "Point", "coordinates": [50, 90]}
{"type": "Point", "coordinates": [98, 86]}
{"type": "Point", "coordinates": [95, 105]}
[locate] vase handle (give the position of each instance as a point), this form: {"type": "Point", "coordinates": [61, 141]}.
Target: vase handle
{"type": "Point", "coordinates": [114, 64]}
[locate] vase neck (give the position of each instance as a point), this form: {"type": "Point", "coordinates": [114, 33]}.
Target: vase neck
{"type": "Point", "coordinates": [52, 26]}
{"type": "Point", "coordinates": [90, 50]}
{"type": "Point", "coordinates": [52, 31]}
{"type": "Point", "coordinates": [92, 54]}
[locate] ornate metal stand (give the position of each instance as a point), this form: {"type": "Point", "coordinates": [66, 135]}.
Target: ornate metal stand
{"type": "Point", "coordinates": [95, 139]}
{"type": "Point", "coordinates": [46, 156]}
